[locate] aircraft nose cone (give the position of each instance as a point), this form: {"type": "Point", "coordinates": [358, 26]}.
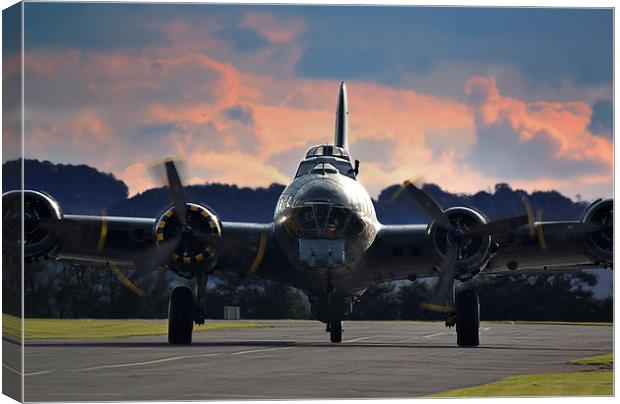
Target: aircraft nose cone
{"type": "Point", "coordinates": [322, 190]}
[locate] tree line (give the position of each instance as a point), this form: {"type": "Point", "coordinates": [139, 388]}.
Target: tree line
{"type": "Point", "coordinates": [77, 291]}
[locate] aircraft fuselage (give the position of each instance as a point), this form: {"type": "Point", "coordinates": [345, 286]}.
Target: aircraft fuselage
{"type": "Point", "coordinates": [325, 221]}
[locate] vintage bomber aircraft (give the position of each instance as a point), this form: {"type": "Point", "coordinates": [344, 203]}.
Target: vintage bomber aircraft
{"type": "Point", "coordinates": [325, 239]}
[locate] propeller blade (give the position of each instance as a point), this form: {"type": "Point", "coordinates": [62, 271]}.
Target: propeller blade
{"type": "Point", "coordinates": [155, 256]}
{"type": "Point", "coordinates": [125, 281]}
{"type": "Point", "coordinates": [176, 190]}
{"type": "Point", "coordinates": [539, 231]}
{"type": "Point", "coordinates": [443, 293]}
{"type": "Point", "coordinates": [430, 207]}
{"type": "Point", "coordinates": [499, 226]}
{"type": "Point", "coordinates": [530, 216]}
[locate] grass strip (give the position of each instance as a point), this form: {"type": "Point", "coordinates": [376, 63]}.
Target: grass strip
{"type": "Point", "coordinates": [540, 385]}
{"type": "Point", "coordinates": [594, 382]}
{"type": "Point", "coordinates": [604, 361]}
{"type": "Point", "coordinates": [41, 328]}
{"type": "Point", "coordinates": [592, 323]}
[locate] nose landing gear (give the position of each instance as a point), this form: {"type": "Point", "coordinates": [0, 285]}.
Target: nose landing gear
{"type": "Point", "coordinates": [330, 310]}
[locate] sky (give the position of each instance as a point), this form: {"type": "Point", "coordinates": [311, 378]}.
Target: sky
{"type": "Point", "coordinates": [461, 97]}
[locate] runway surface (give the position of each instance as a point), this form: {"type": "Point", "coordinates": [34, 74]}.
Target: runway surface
{"type": "Point", "coordinates": [293, 360]}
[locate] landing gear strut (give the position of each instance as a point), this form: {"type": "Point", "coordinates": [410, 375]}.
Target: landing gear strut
{"type": "Point", "coordinates": [183, 311]}
{"type": "Point", "coordinates": [330, 310]}
{"type": "Point", "coordinates": [201, 294]}
{"type": "Point", "coordinates": [467, 318]}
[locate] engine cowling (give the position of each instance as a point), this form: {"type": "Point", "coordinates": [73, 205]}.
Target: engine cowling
{"type": "Point", "coordinates": [194, 252]}
{"type": "Point", "coordinates": [473, 252]}
{"type": "Point", "coordinates": [600, 244]}
{"type": "Point", "coordinates": [38, 240]}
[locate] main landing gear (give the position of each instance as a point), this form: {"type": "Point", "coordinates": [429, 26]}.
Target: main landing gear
{"type": "Point", "coordinates": [331, 310]}
{"type": "Point", "coordinates": [467, 318]}
{"type": "Point", "coordinates": [335, 331]}
{"type": "Point", "coordinates": [180, 321]}
{"type": "Point", "coordinates": [183, 311]}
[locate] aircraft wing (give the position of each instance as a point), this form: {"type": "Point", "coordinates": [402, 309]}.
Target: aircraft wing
{"type": "Point", "coordinates": [414, 251]}
{"type": "Point", "coordinates": [128, 241]}
{"type": "Point", "coordinates": [131, 241]}
{"type": "Point", "coordinates": [401, 252]}
{"type": "Point", "coordinates": [552, 247]}
{"type": "Point", "coordinates": [553, 269]}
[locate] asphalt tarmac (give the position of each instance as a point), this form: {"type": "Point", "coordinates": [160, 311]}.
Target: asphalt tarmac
{"type": "Point", "coordinates": [294, 360]}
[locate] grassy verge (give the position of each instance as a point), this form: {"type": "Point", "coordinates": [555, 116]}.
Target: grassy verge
{"type": "Point", "coordinates": [603, 361]}
{"type": "Point", "coordinates": [592, 382]}
{"type": "Point", "coordinates": [551, 323]}
{"type": "Point", "coordinates": [545, 384]}
{"type": "Point", "coordinates": [40, 328]}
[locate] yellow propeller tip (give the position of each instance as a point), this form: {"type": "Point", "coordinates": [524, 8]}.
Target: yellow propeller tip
{"type": "Point", "coordinates": [397, 192]}
{"type": "Point", "coordinates": [438, 308]}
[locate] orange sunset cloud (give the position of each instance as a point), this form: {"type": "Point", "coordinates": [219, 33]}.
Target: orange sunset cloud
{"type": "Point", "coordinates": [236, 123]}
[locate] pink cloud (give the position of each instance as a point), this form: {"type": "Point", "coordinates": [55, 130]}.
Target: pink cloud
{"type": "Point", "coordinates": [564, 123]}
{"type": "Point", "coordinates": [137, 106]}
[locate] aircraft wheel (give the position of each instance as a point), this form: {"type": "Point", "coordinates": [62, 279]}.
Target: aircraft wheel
{"type": "Point", "coordinates": [467, 318]}
{"type": "Point", "coordinates": [335, 331]}
{"type": "Point", "coordinates": [180, 321]}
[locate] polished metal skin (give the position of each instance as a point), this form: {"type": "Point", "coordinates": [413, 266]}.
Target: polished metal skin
{"type": "Point", "coordinates": [342, 121]}
{"type": "Point", "coordinates": [325, 221]}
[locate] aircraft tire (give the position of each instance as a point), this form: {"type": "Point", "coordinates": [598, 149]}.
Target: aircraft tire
{"type": "Point", "coordinates": [335, 331]}
{"type": "Point", "coordinates": [180, 321]}
{"type": "Point", "coordinates": [467, 318]}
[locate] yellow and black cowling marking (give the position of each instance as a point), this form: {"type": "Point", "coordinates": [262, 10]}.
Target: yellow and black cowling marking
{"type": "Point", "coordinates": [192, 251]}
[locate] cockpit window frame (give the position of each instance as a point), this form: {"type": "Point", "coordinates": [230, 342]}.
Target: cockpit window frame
{"type": "Point", "coordinates": [321, 231]}
{"type": "Point", "coordinates": [343, 166]}
{"type": "Point", "coordinates": [327, 150]}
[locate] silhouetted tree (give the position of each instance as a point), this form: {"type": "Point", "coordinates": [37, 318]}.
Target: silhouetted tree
{"type": "Point", "coordinates": [378, 303]}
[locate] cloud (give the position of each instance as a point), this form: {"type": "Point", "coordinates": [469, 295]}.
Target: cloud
{"type": "Point", "coordinates": [535, 143]}
{"type": "Point", "coordinates": [245, 115]}
{"type": "Point", "coordinates": [243, 39]}
{"type": "Point", "coordinates": [233, 168]}
{"type": "Point", "coordinates": [240, 113]}
{"type": "Point", "coordinates": [563, 127]}
{"type": "Point", "coordinates": [601, 122]}
{"type": "Point", "coordinates": [275, 28]}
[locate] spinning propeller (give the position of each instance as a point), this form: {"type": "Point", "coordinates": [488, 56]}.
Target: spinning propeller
{"type": "Point", "coordinates": [458, 236]}
{"type": "Point", "coordinates": [155, 256]}
{"type": "Point", "coordinates": [575, 228]}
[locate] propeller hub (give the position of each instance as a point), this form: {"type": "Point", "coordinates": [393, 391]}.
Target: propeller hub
{"type": "Point", "coordinates": [458, 237]}
{"type": "Point", "coordinates": [191, 248]}
{"type": "Point", "coordinates": [186, 229]}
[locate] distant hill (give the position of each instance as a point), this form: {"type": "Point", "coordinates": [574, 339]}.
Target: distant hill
{"type": "Point", "coordinates": [504, 201]}
{"type": "Point", "coordinates": [78, 188]}
{"type": "Point", "coordinates": [231, 202]}
{"type": "Point", "coordinates": [81, 189]}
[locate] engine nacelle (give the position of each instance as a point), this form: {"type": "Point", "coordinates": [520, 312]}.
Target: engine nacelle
{"type": "Point", "coordinates": [193, 253]}
{"type": "Point", "coordinates": [600, 244]}
{"type": "Point", "coordinates": [38, 209]}
{"type": "Point", "coordinates": [473, 253]}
